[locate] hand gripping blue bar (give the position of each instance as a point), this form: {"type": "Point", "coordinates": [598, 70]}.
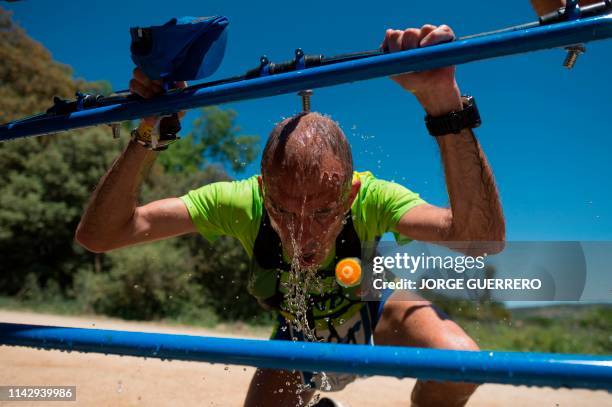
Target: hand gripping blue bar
{"type": "Point", "coordinates": [533, 369]}
{"type": "Point", "coordinates": [453, 53]}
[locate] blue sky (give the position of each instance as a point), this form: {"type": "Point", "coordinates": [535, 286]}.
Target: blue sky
{"type": "Point", "coordinates": [545, 129]}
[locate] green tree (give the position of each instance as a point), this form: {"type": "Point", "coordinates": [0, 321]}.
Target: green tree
{"type": "Point", "coordinates": [143, 282]}
{"type": "Point", "coordinates": [45, 183]}
{"type": "Point", "coordinates": [43, 190]}
{"type": "Point", "coordinates": [215, 137]}
{"type": "Point", "coordinates": [29, 78]}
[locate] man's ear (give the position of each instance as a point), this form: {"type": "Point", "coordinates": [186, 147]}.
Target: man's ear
{"type": "Point", "coordinates": [260, 183]}
{"type": "Point", "coordinates": [355, 186]}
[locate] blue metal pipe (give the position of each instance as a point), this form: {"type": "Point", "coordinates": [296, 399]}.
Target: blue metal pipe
{"type": "Point", "coordinates": [454, 53]}
{"type": "Point", "coordinates": [533, 369]}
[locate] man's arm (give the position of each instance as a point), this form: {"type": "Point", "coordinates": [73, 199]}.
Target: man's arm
{"type": "Point", "coordinates": [113, 218]}
{"type": "Point", "coordinates": [475, 212]}
{"type": "Point", "coordinates": [546, 6]}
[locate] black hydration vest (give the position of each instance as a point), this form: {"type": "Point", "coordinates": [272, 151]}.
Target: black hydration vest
{"type": "Point", "coordinates": [269, 271]}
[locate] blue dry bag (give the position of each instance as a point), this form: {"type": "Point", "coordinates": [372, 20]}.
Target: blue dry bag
{"type": "Point", "coordinates": [186, 48]}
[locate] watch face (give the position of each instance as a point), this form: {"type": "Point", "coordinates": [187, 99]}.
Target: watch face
{"type": "Point", "coordinates": [467, 100]}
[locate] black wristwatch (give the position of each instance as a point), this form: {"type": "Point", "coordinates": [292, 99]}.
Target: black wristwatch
{"type": "Point", "coordinates": [454, 122]}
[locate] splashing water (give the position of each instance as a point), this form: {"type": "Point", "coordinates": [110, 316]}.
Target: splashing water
{"type": "Point", "coordinates": [301, 282]}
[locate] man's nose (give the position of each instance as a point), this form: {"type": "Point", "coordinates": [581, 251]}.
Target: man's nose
{"type": "Point", "coordinates": [310, 239]}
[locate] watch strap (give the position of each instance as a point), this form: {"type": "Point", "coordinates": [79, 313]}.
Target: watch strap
{"type": "Point", "coordinates": [455, 121]}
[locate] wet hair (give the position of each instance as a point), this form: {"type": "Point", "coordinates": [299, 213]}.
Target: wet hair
{"type": "Point", "coordinates": [299, 144]}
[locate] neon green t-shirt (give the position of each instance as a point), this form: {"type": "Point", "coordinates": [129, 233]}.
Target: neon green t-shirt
{"type": "Point", "coordinates": [235, 209]}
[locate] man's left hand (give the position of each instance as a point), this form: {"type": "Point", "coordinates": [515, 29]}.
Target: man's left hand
{"type": "Point", "coordinates": [435, 89]}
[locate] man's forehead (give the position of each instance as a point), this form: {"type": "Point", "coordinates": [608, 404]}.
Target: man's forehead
{"type": "Point", "coordinates": [306, 183]}
{"type": "Point", "coordinates": [293, 194]}
{"type": "Point", "coordinates": [306, 163]}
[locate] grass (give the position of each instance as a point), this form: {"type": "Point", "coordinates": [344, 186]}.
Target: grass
{"type": "Point", "coordinates": [204, 319]}
{"type": "Point", "coordinates": [555, 337]}
{"type": "Point", "coordinates": [49, 306]}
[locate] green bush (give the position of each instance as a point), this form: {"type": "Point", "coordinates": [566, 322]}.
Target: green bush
{"type": "Point", "coordinates": [566, 329]}
{"type": "Point", "coordinates": [31, 291]}
{"type": "Point", "coordinates": [146, 282]}
{"type": "Point", "coordinates": [597, 318]}
{"type": "Point", "coordinates": [224, 279]}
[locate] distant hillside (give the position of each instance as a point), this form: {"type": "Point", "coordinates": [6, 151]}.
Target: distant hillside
{"type": "Point", "coordinates": [558, 329]}
{"type": "Point", "coordinates": [566, 311]}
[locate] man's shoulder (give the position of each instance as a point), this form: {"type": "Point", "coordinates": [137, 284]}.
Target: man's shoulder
{"type": "Point", "coordinates": [367, 176]}
{"type": "Point", "coordinates": [232, 189]}
{"type": "Point", "coordinates": [249, 184]}
{"type": "Point", "coordinates": [369, 183]}
{"type": "Point", "coordinates": [226, 196]}
{"type": "Point", "coordinates": [379, 205]}
{"type": "Point", "coordinates": [232, 208]}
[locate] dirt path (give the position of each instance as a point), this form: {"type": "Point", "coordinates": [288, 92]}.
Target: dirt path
{"type": "Point", "coordinates": [128, 381]}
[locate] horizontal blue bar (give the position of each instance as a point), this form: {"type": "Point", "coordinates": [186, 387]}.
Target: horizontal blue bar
{"type": "Point", "coordinates": [454, 53]}
{"type": "Point", "coordinates": [534, 369]}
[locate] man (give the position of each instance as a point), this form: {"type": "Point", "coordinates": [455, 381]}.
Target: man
{"type": "Point", "coordinates": [309, 205]}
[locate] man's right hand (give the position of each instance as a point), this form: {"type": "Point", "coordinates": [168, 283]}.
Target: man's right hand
{"type": "Point", "coordinates": [147, 88]}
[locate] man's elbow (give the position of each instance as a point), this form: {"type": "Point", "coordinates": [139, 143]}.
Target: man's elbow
{"type": "Point", "coordinates": [494, 246]}
{"type": "Point", "coordinates": [90, 241]}
{"type": "Point", "coordinates": [497, 237]}
{"type": "Point", "coordinates": [492, 242]}
{"type": "Point", "coordinates": [478, 248]}
{"type": "Point", "coordinates": [481, 242]}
